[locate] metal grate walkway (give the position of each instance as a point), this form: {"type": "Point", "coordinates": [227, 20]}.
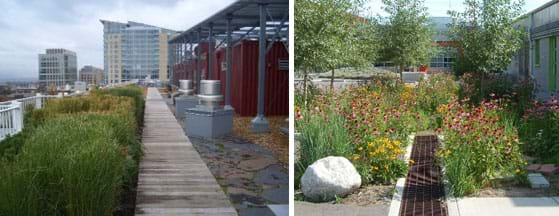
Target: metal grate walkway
{"type": "Point", "coordinates": [173, 179]}
{"type": "Point", "coordinates": [424, 190]}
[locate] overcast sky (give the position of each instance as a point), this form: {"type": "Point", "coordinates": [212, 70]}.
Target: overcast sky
{"type": "Point", "coordinates": [28, 27]}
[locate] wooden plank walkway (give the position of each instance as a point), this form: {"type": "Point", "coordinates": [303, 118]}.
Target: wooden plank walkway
{"type": "Point", "coordinates": [173, 179]}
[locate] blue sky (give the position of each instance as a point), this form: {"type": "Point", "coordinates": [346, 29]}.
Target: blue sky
{"type": "Point", "coordinates": [28, 27]}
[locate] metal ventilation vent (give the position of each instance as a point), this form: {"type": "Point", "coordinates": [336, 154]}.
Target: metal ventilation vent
{"type": "Point", "coordinates": [283, 64]}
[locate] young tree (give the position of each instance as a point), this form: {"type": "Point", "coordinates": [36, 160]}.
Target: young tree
{"type": "Point", "coordinates": [406, 33]}
{"type": "Point", "coordinates": [486, 35]}
{"type": "Point", "coordinates": [328, 34]}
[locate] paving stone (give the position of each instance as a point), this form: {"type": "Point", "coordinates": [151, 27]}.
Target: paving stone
{"type": "Point", "coordinates": [240, 191]}
{"type": "Point", "coordinates": [264, 211]}
{"type": "Point", "coordinates": [549, 169]}
{"type": "Point", "coordinates": [533, 167]}
{"type": "Point", "coordinates": [274, 174]}
{"type": "Point", "coordinates": [279, 195]}
{"type": "Point", "coordinates": [537, 180]}
{"type": "Point", "coordinates": [257, 164]}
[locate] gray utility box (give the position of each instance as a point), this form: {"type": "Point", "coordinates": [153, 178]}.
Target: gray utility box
{"type": "Point", "coordinates": [182, 103]}
{"type": "Point", "coordinates": [208, 123]}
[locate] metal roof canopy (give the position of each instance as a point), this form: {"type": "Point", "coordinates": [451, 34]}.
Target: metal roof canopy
{"type": "Point", "coordinates": [243, 14]}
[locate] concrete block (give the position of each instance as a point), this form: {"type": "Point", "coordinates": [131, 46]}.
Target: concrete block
{"type": "Point", "coordinates": [537, 180]}
{"type": "Point", "coordinates": [207, 123]}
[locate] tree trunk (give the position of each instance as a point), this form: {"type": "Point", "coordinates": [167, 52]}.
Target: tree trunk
{"type": "Point", "coordinates": [401, 73]}
{"type": "Point", "coordinates": [332, 81]}
{"type": "Point", "coordinates": [305, 87]}
{"type": "Point", "coordinates": [481, 86]}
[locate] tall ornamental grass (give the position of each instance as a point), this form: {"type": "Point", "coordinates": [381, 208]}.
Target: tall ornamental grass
{"type": "Point", "coordinates": [72, 165]}
{"type": "Point", "coordinates": [75, 155]}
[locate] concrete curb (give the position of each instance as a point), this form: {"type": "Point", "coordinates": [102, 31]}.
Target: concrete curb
{"type": "Point", "coordinates": [399, 188]}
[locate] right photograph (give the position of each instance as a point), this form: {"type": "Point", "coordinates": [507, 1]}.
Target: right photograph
{"type": "Point", "coordinates": [426, 107]}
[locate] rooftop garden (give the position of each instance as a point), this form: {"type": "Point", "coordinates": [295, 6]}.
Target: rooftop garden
{"type": "Point", "coordinates": [490, 126]}
{"type": "Point", "coordinates": [75, 156]}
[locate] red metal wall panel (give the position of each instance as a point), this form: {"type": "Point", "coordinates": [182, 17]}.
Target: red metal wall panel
{"type": "Point", "coordinates": [244, 79]}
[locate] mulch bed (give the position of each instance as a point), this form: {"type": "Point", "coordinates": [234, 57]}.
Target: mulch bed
{"type": "Point", "coordinates": [274, 140]}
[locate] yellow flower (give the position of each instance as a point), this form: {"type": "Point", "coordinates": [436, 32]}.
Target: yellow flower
{"type": "Point", "coordinates": [356, 157]}
{"type": "Point", "coordinates": [411, 161]}
{"type": "Point", "coordinates": [360, 148]}
{"type": "Point", "coordinates": [447, 152]}
{"type": "Point", "coordinates": [374, 168]}
{"type": "Point", "coordinates": [386, 167]}
{"type": "Point", "coordinates": [518, 171]}
{"type": "Point", "coordinates": [371, 154]}
{"type": "Point", "coordinates": [370, 144]}
{"type": "Point", "coordinates": [393, 157]}
{"type": "Point", "coordinates": [397, 143]}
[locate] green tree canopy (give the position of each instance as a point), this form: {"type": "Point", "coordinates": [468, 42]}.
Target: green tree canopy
{"type": "Point", "coordinates": [486, 35]}
{"type": "Point", "coordinates": [330, 34]}
{"type": "Point", "coordinates": [406, 33]}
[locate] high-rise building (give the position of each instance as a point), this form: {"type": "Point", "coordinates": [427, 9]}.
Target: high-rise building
{"type": "Point", "coordinates": [134, 51]}
{"type": "Point", "coordinates": [57, 67]}
{"type": "Point", "coordinates": [91, 75]}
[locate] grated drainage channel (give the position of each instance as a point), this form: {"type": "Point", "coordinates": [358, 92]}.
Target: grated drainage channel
{"type": "Point", "coordinates": [424, 190]}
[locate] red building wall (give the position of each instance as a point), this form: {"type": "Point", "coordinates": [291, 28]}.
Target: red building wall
{"type": "Point", "coordinates": [244, 77]}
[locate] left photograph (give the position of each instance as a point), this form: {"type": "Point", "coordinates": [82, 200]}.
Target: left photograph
{"type": "Point", "coordinates": [122, 108]}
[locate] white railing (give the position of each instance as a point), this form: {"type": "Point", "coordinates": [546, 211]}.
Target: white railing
{"type": "Point", "coordinates": [12, 112]}
{"type": "Point", "coordinates": [11, 119]}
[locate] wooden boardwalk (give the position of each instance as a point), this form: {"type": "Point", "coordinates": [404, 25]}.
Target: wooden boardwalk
{"type": "Point", "coordinates": [173, 179]}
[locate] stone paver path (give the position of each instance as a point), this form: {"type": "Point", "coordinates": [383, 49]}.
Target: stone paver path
{"type": "Point", "coordinates": [173, 179]}
{"type": "Point", "coordinates": [248, 173]}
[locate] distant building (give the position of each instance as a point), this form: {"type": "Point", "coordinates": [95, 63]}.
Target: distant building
{"type": "Point", "coordinates": [91, 75]}
{"type": "Point", "coordinates": [446, 55]}
{"type": "Point", "coordinates": [135, 51]}
{"type": "Point", "coordinates": [539, 57]}
{"type": "Point", "coordinates": [57, 67]}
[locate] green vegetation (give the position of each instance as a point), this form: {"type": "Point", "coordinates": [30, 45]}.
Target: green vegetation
{"type": "Point", "coordinates": [486, 35]}
{"type": "Point", "coordinates": [75, 156]}
{"type": "Point", "coordinates": [479, 145]}
{"type": "Point", "coordinates": [330, 34]}
{"type": "Point", "coordinates": [406, 35]}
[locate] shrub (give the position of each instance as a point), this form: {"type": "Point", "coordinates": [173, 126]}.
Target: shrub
{"type": "Point", "coordinates": [377, 160]}
{"type": "Point", "coordinates": [439, 89]}
{"type": "Point", "coordinates": [479, 144]}
{"type": "Point", "coordinates": [538, 130]}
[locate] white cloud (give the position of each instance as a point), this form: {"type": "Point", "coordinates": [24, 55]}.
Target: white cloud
{"type": "Point", "coordinates": [27, 28]}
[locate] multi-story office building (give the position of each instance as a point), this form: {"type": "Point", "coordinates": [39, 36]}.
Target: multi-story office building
{"type": "Point", "coordinates": [91, 75]}
{"type": "Point", "coordinates": [135, 51]}
{"type": "Point", "coordinates": [57, 67]}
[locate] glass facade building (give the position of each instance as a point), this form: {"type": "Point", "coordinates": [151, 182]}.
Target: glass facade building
{"type": "Point", "coordinates": [134, 51]}
{"type": "Point", "coordinates": [57, 67]}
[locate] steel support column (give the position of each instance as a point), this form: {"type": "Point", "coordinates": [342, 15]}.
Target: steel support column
{"type": "Point", "coordinates": [198, 60]}
{"type": "Point", "coordinates": [259, 123]}
{"type": "Point", "coordinates": [210, 51]}
{"type": "Point", "coordinates": [228, 65]}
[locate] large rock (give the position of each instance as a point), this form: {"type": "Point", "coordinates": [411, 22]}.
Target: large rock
{"type": "Point", "coordinates": [330, 177]}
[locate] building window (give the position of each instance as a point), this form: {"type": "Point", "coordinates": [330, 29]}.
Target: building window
{"type": "Point", "coordinates": [537, 53]}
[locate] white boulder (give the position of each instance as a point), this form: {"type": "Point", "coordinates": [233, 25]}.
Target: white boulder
{"type": "Point", "coordinates": [330, 177]}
